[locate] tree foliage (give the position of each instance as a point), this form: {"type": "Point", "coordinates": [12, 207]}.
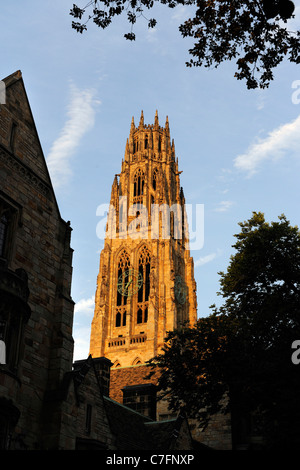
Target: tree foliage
{"type": "Point", "coordinates": [262, 283]}
{"type": "Point", "coordinates": [252, 32]}
{"type": "Point", "coordinates": [242, 350]}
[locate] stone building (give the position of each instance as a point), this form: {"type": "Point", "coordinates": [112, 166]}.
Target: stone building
{"type": "Point", "coordinates": [36, 309]}
{"type": "Point", "coordinates": [46, 401]}
{"type": "Point", "coordinates": [146, 285]}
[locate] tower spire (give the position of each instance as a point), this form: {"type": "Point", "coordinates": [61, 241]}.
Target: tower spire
{"type": "Point", "coordinates": [156, 122]}
{"type": "Point", "coordinates": [142, 119]}
{"type": "Point", "coordinates": [127, 151]}
{"type": "Point", "coordinates": [167, 124]}
{"type": "Point", "coordinates": [132, 127]}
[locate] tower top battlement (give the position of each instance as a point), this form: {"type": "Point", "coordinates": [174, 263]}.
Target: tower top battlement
{"type": "Point", "coordinates": [154, 126]}
{"type": "Point", "coordinates": [149, 141]}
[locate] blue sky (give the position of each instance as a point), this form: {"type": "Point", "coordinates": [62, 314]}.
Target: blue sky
{"type": "Point", "coordinates": [238, 150]}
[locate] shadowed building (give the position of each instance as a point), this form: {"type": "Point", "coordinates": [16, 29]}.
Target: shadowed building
{"type": "Point", "coordinates": [46, 401]}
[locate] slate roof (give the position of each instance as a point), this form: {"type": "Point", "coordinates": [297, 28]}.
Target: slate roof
{"type": "Point", "coordinates": [127, 425]}
{"type": "Point", "coordinates": [134, 431]}
{"type": "Point", "coordinates": [131, 429]}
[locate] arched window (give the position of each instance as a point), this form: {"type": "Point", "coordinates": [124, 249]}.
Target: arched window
{"type": "Point", "coordinates": [123, 265]}
{"type": "Point", "coordinates": [154, 179]}
{"type": "Point", "coordinates": [159, 143]}
{"type": "Point", "coordinates": [144, 291]}
{"type": "Point", "coordinates": [136, 361]}
{"type": "Point", "coordinates": [138, 186]}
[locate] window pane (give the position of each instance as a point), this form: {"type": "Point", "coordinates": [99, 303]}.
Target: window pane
{"type": "Point", "coordinates": [147, 282]}
{"type": "Point", "coordinates": [140, 316]}
{"type": "Point", "coordinates": [118, 319]}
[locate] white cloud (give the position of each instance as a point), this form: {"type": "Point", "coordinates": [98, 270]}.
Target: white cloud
{"type": "Point", "coordinates": [285, 139]}
{"type": "Point", "coordinates": [80, 119]}
{"type": "Point", "coordinates": [85, 306]}
{"type": "Point", "coordinates": [205, 259]}
{"type": "Point", "coordinates": [224, 206]}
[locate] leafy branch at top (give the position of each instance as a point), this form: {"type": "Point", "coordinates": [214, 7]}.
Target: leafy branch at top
{"type": "Point", "coordinates": [102, 17]}
{"type": "Point", "coordinates": [252, 32]}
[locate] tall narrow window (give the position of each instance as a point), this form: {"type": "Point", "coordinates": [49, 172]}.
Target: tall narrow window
{"type": "Point", "coordinates": [13, 135]}
{"type": "Point", "coordinates": [123, 265]}
{"type": "Point", "coordinates": [144, 291]}
{"type": "Point", "coordinates": [118, 319]}
{"type": "Point", "coordinates": [88, 418]}
{"type": "Point", "coordinates": [138, 186]}
{"type": "Point", "coordinates": [3, 233]}
{"type": "Point", "coordinates": [10, 219]}
{"type": "Point", "coordinates": [154, 179]}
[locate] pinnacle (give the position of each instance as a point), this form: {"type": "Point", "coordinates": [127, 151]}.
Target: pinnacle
{"type": "Point", "coordinates": [132, 127]}
{"type": "Point", "coordinates": [142, 119]}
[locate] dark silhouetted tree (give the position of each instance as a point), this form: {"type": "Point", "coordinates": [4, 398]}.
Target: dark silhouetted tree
{"type": "Point", "coordinates": [252, 32]}
{"type": "Point", "coordinates": [243, 350]}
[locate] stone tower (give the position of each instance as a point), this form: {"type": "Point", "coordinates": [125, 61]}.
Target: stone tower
{"type": "Point", "coordinates": [145, 285]}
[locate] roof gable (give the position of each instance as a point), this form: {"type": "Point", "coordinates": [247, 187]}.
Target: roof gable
{"type": "Point", "coordinates": [19, 134]}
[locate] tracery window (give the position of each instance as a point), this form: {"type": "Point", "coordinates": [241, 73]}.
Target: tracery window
{"type": "Point", "coordinates": [144, 291]}
{"type": "Point", "coordinates": [154, 179]}
{"type": "Point", "coordinates": [14, 314]}
{"type": "Point", "coordinates": [138, 186]}
{"type": "Point", "coordinates": [123, 265]}
{"type": "Point", "coordinates": [159, 143]}
{"type": "Point", "coordinates": [135, 146]}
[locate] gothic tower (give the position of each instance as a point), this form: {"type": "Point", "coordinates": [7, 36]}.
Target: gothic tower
{"type": "Point", "coordinates": [145, 285]}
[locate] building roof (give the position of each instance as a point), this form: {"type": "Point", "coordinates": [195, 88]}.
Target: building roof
{"type": "Point", "coordinates": [128, 426]}
{"type": "Point", "coordinates": [134, 431]}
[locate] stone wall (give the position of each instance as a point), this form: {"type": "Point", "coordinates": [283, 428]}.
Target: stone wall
{"type": "Point", "coordinates": [39, 243]}
{"type": "Point", "coordinates": [217, 435]}
{"type": "Point", "coordinates": [127, 376]}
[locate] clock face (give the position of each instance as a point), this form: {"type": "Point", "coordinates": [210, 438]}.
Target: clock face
{"type": "Point", "coordinates": [180, 290]}
{"type": "Point", "coordinates": [129, 282]}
